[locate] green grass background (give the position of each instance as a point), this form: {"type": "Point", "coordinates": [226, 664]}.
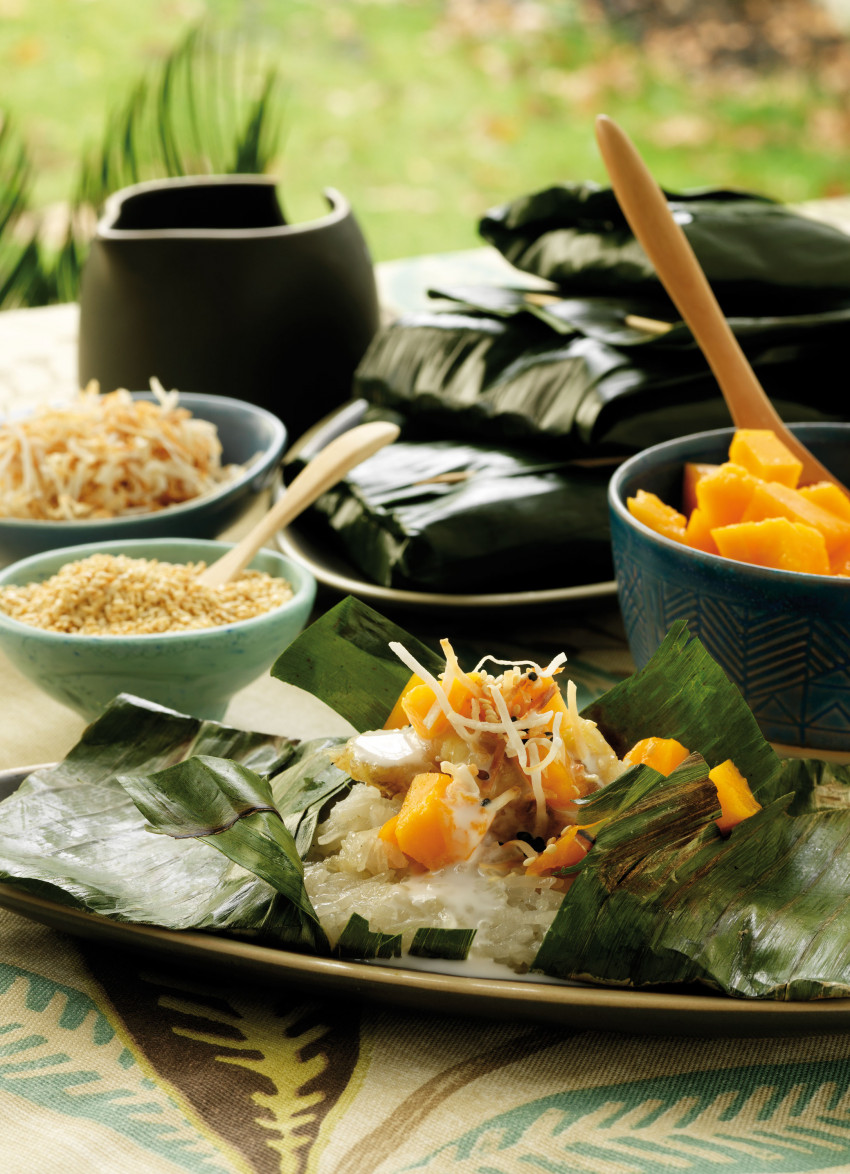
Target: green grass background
{"type": "Point", "coordinates": [425, 113]}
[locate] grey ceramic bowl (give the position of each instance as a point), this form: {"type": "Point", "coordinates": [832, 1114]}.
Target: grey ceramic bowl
{"type": "Point", "coordinates": [194, 672]}
{"type": "Point", "coordinates": [782, 637]}
{"type": "Point", "coordinates": [249, 436]}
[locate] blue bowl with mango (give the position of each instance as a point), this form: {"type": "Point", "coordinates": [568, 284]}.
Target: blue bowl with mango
{"type": "Point", "coordinates": [783, 636]}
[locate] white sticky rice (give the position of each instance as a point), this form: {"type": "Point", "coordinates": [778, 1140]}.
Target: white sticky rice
{"type": "Point", "coordinates": [349, 871]}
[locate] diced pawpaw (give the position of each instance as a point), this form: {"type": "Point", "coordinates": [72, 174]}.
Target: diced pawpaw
{"type": "Point", "coordinates": [839, 561]}
{"type": "Point", "coordinates": [694, 472]}
{"type": "Point", "coordinates": [398, 719]}
{"type": "Point", "coordinates": [724, 494]}
{"type": "Point", "coordinates": [775, 542]}
{"type": "Point", "coordinates": [698, 532]}
{"type": "Point", "coordinates": [737, 801]}
{"type": "Point", "coordinates": [570, 847]}
{"type": "Point", "coordinates": [387, 832]}
{"type": "Point", "coordinates": [653, 512]}
{"type": "Point", "coordinates": [436, 830]}
{"type": "Point", "coordinates": [662, 754]}
{"type": "Point", "coordinates": [559, 786]}
{"type": "Point", "coordinates": [421, 710]}
{"type": "Point", "coordinates": [772, 500]}
{"type": "Point", "coordinates": [762, 453]}
{"type": "Point", "coordinates": [828, 496]}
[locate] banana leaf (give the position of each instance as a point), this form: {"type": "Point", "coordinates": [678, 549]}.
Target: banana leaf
{"type": "Point", "coordinates": [754, 251]}
{"type": "Point", "coordinates": [663, 898]}
{"type": "Point", "coordinates": [462, 517]}
{"type": "Point", "coordinates": [572, 380]}
{"type": "Point", "coordinates": [344, 659]}
{"type": "Point", "coordinates": [73, 833]}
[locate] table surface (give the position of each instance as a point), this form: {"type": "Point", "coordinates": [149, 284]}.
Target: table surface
{"type": "Point", "coordinates": [116, 1063]}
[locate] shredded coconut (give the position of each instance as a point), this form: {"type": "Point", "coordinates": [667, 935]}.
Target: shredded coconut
{"type": "Point", "coordinates": [106, 456]}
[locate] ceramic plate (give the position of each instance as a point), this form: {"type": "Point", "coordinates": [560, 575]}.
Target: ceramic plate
{"type": "Point", "coordinates": [570, 1005]}
{"type": "Point", "coordinates": [334, 572]}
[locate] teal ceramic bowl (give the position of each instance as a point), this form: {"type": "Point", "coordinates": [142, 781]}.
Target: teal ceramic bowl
{"type": "Point", "coordinates": [194, 672]}
{"type": "Point", "coordinates": [249, 435]}
{"type": "Point", "coordinates": [782, 637]}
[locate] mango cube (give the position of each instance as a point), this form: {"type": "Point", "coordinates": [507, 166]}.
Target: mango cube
{"type": "Point", "coordinates": [653, 512]}
{"type": "Point", "coordinates": [775, 542]}
{"type": "Point", "coordinates": [773, 500]}
{"type": "Point", "coordinates": [724, 494]}
{"type": "Point", "coordinates": [763, 454]}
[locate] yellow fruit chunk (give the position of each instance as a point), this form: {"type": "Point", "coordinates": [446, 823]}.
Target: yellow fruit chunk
{"type": "Point", "coordinates": [693, 473]}
{"type": "Point", "coordinates": [398, 718]}
{"type": "Point", "coordinates": [653, 512]}
{"type": "Point", "coordinates": [828, 496]}
{"type": "Point", "coordinates": [436, 826]}
{"type": "Point", "coordinates": [662, 754]}
{"type": "Point", "coordinates": [570, 847]}
{"type": "Point", "coordinates": [772, 500]}
{"type": "Point", "coordinates": [839, 561]}
{"type": "Point", "coordinates": [417, 706]}
{"type": "Point", "coordinates": [774, 542]}
{"type": "Point", "coordinates": [724, 494]}
{"type": "Point", "coordinates": [763, 454]}
{"type": "Point", "coordinates": [698, 532]}
{"type": "Point", "coordinates": [737, 801]}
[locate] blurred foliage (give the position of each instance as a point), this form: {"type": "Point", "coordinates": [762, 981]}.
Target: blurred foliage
{"type": "Point", "coordinates": [425, 113]}
{"type": "Point", "coordinates": [212, 107]}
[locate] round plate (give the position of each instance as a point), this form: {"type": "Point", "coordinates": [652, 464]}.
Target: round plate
{"type": "Point", "coordinates": [334, 572]}
{"type": "Point", "coordinates": [572, 1005]}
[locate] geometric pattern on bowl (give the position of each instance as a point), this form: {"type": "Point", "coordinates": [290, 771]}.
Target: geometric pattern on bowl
{"type": "Point", "coordinates": [764, 655]}
{"type": "Point", "coordinates": [783, 638]}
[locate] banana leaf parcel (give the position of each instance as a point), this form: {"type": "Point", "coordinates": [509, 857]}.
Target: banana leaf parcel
{"type": "Point", "coordinates": [595, 365]}
{"type": "Point", "coordinates": [602, 358]}
{"type": "Point", "coordinates": [158, 818]}
{"type": "Point", "coordinates": [461, 517]}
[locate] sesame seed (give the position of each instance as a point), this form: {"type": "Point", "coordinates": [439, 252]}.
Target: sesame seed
{"type": "Point", "coordinates": [114, 595]}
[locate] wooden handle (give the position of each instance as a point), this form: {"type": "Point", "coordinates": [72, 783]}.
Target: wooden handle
{"type": "Point", "coordinates": [323, 472]}
{"type": "Point", "coordinates": [650, 219]}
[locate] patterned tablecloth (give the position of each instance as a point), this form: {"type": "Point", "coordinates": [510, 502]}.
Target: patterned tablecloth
{"type": "Point", "coordinates": [121, 1063]}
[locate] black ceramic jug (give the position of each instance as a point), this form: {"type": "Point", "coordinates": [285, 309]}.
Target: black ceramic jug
{"type": "Point", "coordinates": [200, 282]}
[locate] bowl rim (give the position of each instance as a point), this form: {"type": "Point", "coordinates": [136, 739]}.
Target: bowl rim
{"type": "Point", "coordinates": [301, 580]}
{"type": "Point", "coordinates": [261, 463]}
{"type": "Point", "coordinates": [716, 562]}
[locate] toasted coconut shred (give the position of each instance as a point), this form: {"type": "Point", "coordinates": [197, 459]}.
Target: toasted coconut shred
{"type": "Point", "coordinates": [107, 456]}
{"type": "Point", "coordinates": [458, 820]}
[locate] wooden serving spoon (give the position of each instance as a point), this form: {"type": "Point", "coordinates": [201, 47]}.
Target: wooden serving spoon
{"type": "Point", "coordinates": [645, 208]}
{"type": "Point", "coordinates": [323, 471]}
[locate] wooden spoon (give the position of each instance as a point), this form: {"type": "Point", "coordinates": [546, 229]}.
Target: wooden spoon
{"type": "Point", "coordinates": [645, 208]}
{"type": "Point", "coordinates": [323, 471]}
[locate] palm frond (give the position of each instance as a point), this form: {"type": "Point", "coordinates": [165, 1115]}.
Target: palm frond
{"type": "Point", "coordinates": [211, 107]}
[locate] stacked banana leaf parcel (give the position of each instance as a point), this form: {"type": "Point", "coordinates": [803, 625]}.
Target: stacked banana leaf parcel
{"type": "Point", "coordinates": [516, 404]}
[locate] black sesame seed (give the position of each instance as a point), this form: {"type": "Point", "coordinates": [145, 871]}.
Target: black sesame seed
{"type": "Point", "coordinates": [484, 774]}
{"type": "Point", "coordinates": [532, 676]}
{"type": "Point", "coordinates": [485, 802]}
{"type": "Point", "coordinates": [535, 842]}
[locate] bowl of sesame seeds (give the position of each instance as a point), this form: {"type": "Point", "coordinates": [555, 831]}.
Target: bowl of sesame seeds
{"type": "Point", "coordinates": [88, 622]}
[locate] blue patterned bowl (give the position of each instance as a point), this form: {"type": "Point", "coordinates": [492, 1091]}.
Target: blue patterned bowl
{"type": "Point", "coordinates": [782, 637]}
{"type": "Point", "coordinates": [195, 672]}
